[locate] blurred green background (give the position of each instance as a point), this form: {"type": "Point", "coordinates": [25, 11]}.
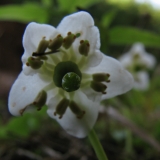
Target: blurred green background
{"type": "Point", "coordinates": [128, 127]}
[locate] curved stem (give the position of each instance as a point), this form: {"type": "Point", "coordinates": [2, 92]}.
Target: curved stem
{"type": "Point", "coordinates": [97, 146]}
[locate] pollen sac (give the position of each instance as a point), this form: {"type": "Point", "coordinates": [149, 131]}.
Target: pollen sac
{"type": "Point", "coordinates": [84, 47]}
{"type": "Point", "coordinates": [76, 109]}
{"type": "Point", "coordinates": [101, 77]}
{"type": "Point", "coordinates": [34, 63]}
{"type": "Point", "coordinates": [98, 87]}
{"type": "Point", "coordinates": [56, 43]}
{"type": "Point", "coordinates": [43, 44]}
{"type": "Point", "coordinates": [71, 82]}
{"type": "Point", "coordinates": [68, 40]}
{"type": "Point", "coordinates": [40, 100]}
{"type": "Point", "coordinates": [61, 107]}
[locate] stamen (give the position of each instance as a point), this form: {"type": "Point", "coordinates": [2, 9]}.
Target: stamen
{"type": "Point", "coordinates": [34, 63]}
{"type": "Point", "coordinates": [43, 44]}
{"type": "Point", "coordinates": [68, 40]}
{"type": "Point", "coordinates": [76, 109]}
{"type": "Point", "coordinates": [101, 77]}
{"type": "Point", "coordinates": [98, 87]}
{"type": "Point", "coordinates": [56, 43]}
{"type": "Point", "coordinates": [61, 107]}
{"type": "Point", "coordinates": [40, 100]}
{"type": "Point", "coordinates": [84, 47]}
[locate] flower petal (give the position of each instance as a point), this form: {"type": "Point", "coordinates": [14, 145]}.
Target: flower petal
{"type": "Point", "coordinates": [32, 36]}
{"type": "Point", "coordinates": [23, 92]}
{"type": "Point", "coordinates": [81, 22]}
{"type": "Point", "coordinates": [121, 80]}
{"type": "Point", "coordinates": [141, 81]}
{"type": "Point", "coordinates": [70, 123]}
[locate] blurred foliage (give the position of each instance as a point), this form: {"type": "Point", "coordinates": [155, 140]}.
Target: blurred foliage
{"type": "Point", "coordinates": [120, 25]}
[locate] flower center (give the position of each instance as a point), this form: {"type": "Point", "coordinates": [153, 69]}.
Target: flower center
{"type": "Point", "coordinates": [67, 76]}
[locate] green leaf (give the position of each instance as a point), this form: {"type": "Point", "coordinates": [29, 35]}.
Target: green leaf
{"type": "Point", "coordinates": [129, 35]}
{"type": "Point", "coordinates": [24, 13]}
{"type": "Point", "coordinates": [70, 5]}
{"type": "Point", "coordinates": [108, 18]}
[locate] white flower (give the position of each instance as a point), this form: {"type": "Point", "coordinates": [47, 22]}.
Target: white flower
{"type": "Point", "coordinates": [138, 62]}
{"type": "Point", "coordinates": [64, 69]}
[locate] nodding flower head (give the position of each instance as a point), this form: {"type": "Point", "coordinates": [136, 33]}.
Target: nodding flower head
{"type": "Point", "coordinates": [64, 69]}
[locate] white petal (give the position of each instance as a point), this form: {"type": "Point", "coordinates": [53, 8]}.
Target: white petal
{"type": "Point", "coordinates": [141, 81]}
{"type": "Point", "coordinates": [144, 58]}
{"type": "Point", "coordinates": [32, 36]}
{"type": "Point", "coordinates": [81, 22]}
{"type": "Point", "coordinates": [70, 123]}
{"type": "Point", "coordinates": [94, 59]}
{"type": "Point", "coordinates": [121, 80]}
{"type": "Point", "coordinates": [91, 94]}
{"type": "Point", "coordinates": [23, 92]}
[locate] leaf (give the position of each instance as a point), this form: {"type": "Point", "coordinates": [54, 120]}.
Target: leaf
{"type": "Point", "coordinates": [128, 35]}
{"type": "Point", "coordinates": [108, 18]}
{"type": "Point", "coordinates": [70, 5]}
{"type": "Point", "coordinates": [24, 13]}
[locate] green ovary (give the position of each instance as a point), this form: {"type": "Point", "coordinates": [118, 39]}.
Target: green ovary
{"type": "Point", "coordinates": [67, 76]}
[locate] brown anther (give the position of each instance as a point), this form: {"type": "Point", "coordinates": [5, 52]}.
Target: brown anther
{"type": "Point", "coordinates": [108, 81]}
{"type": "Point", "coordinates": [68, 33]}
{"type": "Point", "coordinates": [82, 41]}
{"type": "Point", "coordinates": [55, 113]}
{"type": "Point", "coordinates": [27, 64]}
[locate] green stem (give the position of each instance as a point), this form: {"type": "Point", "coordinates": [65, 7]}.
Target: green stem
{"type": "Point", "coordinates": [97, 146]}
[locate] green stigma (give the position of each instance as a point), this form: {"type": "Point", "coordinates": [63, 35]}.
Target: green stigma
{"type": "Point", "coordinates": [71, 82]}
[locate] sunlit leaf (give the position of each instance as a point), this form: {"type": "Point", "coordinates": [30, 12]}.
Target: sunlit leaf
{"type": "Point", "coordinates": [24, 13]}
{"type": "Point", "coordinates": [128, 35]}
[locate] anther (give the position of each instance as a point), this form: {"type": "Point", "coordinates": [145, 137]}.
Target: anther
{"type": "Point", "coordinates": [61, 107]}
{"type": "Point", "coordinates": [84, 47]}
{"type": "Point", "coordinates": [34, 63]}
{"type": "Point", "coordinates": [101, 77]}
{"type": "Point", "coordinates": [40, 100]}
{"type": "Point", "coordinates": [76, 109]}
{"type": "Point", "coordinates": [43, 44]}
{"type": "Point", "coordinates": [98, 87]}
{"type": "Point", "coordinates": [56, 43]}
{"type": "Point", "coordinates": [68, 40]}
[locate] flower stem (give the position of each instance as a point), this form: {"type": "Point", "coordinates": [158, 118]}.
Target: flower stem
{"type": "Point", "coordinates": [97, 146]}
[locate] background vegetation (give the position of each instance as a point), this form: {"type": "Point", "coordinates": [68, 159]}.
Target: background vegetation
{"type": "Point", "coordinates": [128, 127]}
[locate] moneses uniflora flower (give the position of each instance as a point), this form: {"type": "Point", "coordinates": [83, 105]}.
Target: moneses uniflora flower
{"type": "Point", "coordinates": [64, 69]}
{"type": "Point", "coordinates": [138, 62]}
